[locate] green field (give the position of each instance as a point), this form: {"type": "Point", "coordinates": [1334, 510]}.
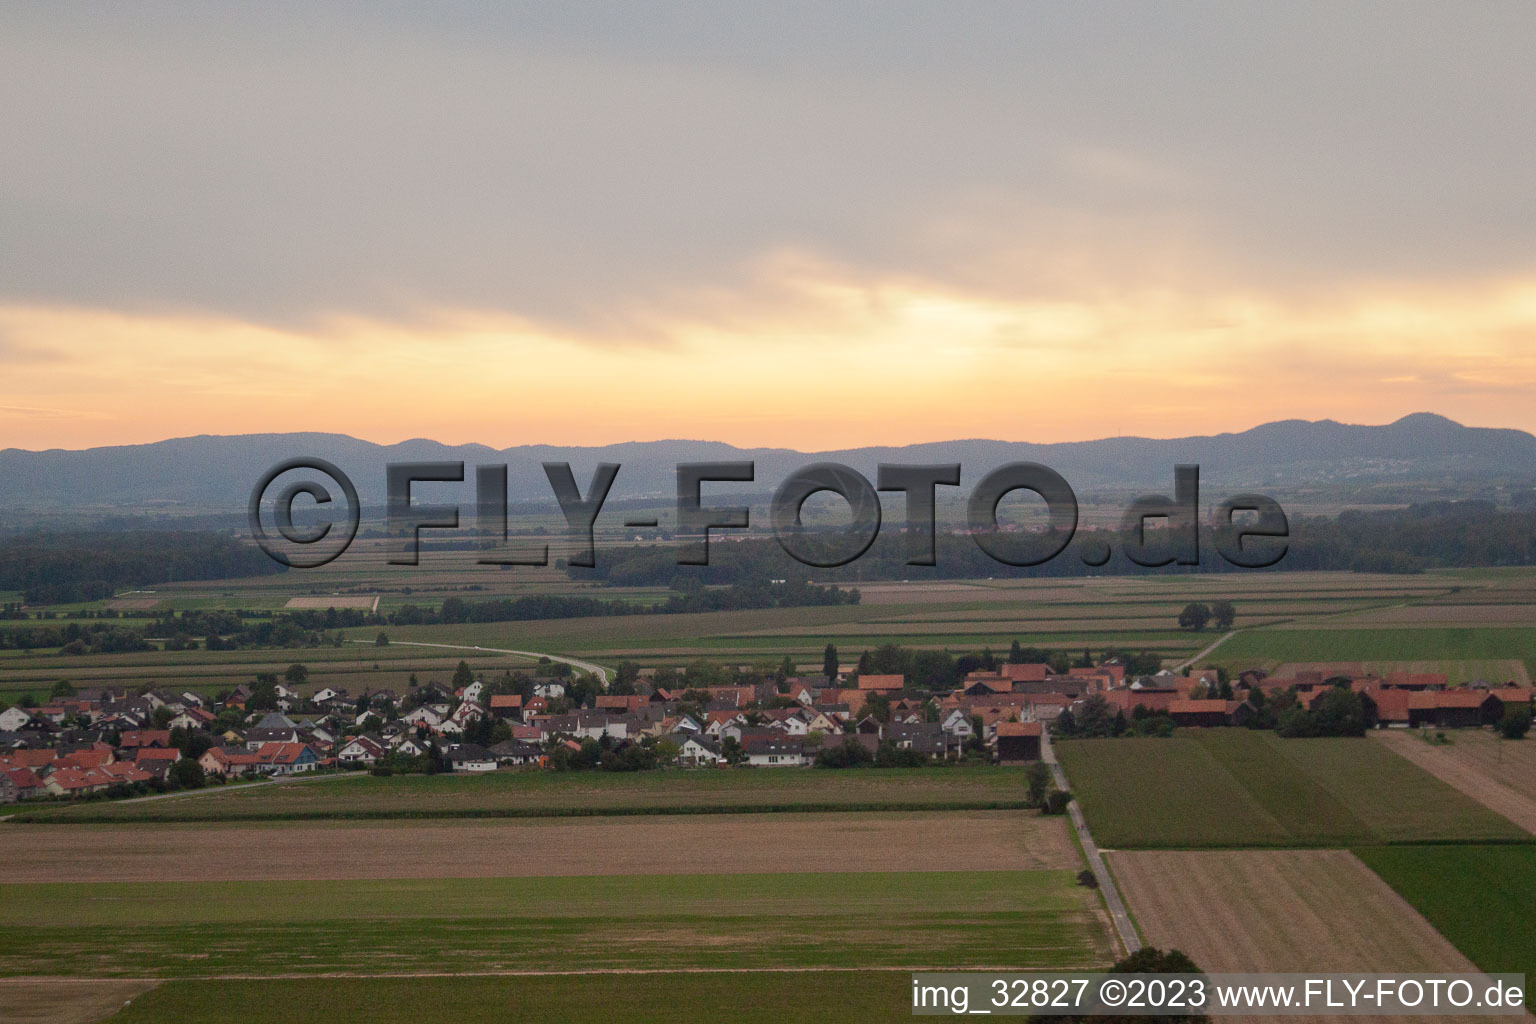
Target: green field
{"type": "Point", "coordinates": [1237, 787]}
{"type": "Point", "coordinates": [1269, 647]}
{"type": "Point", "coordinates": [1479, 897]}
{"type": "Point", "coordinates": [833, 997]}
{"type": "Point", "coordinates": [1039, 919]}
{"type": "Point", "coordinates": [538, 793]}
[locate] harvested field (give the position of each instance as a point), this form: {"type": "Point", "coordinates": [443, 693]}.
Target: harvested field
{"type": "Point", "coordinates": [1498, 773]}
{"type": "Point", "coordinates": [369, 602]}
{"type": "Point", "coordinates": [133, 604]}
{"type": "Point", "coordinates": [65, 1000]}
{"type": "Point", "coordinates": [701, 844]}
{"type": "Point", "coordinates": [1293, 910]}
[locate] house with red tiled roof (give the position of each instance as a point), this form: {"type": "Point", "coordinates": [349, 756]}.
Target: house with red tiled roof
{"type": "Point", "coordinates": [1386, 707]}
{"type": "Point", "coordinates": [1202, 712]}
{"type": "Point", "coordinates": [882, 682]}
{"type": "Point", "coordinates": [287, 758]}
{"type": "Point", "coordinates": [1445, 709]}
{"type": "Point", "coordinates": [24, 783]}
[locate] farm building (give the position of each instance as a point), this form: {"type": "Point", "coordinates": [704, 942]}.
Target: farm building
{"type": "Point", "coordinates": [1018, 742]}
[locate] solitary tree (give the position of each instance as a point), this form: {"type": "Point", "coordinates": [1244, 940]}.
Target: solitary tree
{"type": "Point", "coordinates": [1223, 614]}
{"type": "Point", "coordinates": [1038, 777]}
{"type": "Point", "coordinates": [296, 674]}
{"type": "Point", "coordinates": [1194, 616]}
{"type": "Point", "coordinates": [829, 662]}
{"type": "Point", "coordinates": [1516, 721]}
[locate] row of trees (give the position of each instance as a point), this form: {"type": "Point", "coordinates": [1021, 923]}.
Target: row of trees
{"type": "Point", "coordinates": [1196, 615]}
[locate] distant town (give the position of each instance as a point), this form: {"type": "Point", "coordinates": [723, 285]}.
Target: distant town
{"type": "Point", "coordinates": [100, 742]}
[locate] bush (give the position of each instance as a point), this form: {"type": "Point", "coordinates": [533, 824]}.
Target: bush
{"type": "Point", "coordinates": [1516, 721]}
{"type": "Point", "coordinates": [1057, 802]}
{"type": "Point", "coordinates": [1087, 878]}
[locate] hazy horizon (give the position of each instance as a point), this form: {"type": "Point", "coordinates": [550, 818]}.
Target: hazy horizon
{"type": "Point", "coordinates": [555, 443]}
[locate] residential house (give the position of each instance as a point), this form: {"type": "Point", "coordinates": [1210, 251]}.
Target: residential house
{"type": "Point", "coordinates": [771, 748]}
{"type": "Point", "coordinates": [471, 757]}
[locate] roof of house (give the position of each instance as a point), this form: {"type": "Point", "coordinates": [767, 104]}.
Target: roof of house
{"type": "Point", "coordinates": [508, 700]}
{"type": "Point", "coordinates": [1425, 699]}
{"type": "Point", "coordinates": [1513, 694]}
{"type": "Point", "coordinates": [882, 682]}
{"type": "Point", "coordinates": [281, 753]}
{"type": "Point", "coordinates": [1019, 729]}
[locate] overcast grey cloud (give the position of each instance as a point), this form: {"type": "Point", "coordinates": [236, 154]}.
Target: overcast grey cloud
{"type": "Point", "coordinates": [582, 164]}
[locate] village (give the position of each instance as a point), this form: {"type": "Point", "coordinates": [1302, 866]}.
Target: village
{"type": "Point", "coordinates": [105, 743]}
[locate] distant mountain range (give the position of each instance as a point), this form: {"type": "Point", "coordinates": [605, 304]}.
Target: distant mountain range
{"type": "Point", "coordinates": [217, 472]}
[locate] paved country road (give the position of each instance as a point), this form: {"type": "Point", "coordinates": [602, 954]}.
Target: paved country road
{"type": "Point", "coordinates": [1112, 901]}
{"type": "Point", "coordinates": [1181, 666]}
{"type": "Point", "coordinates": [585, 666]}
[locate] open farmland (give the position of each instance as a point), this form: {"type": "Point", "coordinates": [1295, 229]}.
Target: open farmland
{"type": "Point", "coordinates": [793, 843]}
{"type": "Point", "coordinates": [1456, 671]}
{"type": "Point", "coordinates": [1274, 910]}
{"type": "Point", "coordinates": [636, 922]}
{"type": "Point", "coordinates": [800, 997]}
{"type": "Point", "coordinates": [66, 1000]}
{"type": "Point", "coordinates": [1479, 897]}
{"type": "Point", "coordinates": [1498, 773]}
{"type": "Point", "coordinates": [535, 793]}
{"type": "Point", "coordinates": [1314, 641]}
{"type": "Point", "coordinates": [1236, 787]}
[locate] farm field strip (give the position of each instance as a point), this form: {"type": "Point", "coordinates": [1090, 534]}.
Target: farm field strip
{"type": "Point", "coordinates": [1235, 787]}
{"type": "Point", "coordinates": [783, 997]}
{"type": "Point", "coordinates": [793, 843]}
{"type": "Point", "coordinates": [636, 922]}
{"type": "Point", "coordinates": [1479, 897]}
{"type": "Point", "coordinates": [1500, 774]}
{"type": "Point", "coordinates": [1271, 910]}
{"type": "Point", "coordinates": [401, 795]}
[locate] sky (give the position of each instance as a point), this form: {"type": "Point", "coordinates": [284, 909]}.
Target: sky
{"type": "Point", "coordinates": [814, 225]}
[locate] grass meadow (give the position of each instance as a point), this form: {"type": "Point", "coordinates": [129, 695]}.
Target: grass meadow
{"type": "Point", "coordinates": [823, 997]}
{"type": "Point", "coordinates": [538, 793]}
{"type": "Point", "coordinates": [1039, 919]}
{"type": "Point", "coordinates": [1479, 897]}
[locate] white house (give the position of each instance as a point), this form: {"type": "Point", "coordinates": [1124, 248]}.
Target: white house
{"type": "Point", "coordinates": [467, 757]}
{"type": "Point", "coordinates": [426, 715]}
{"type": "Point", "coordinates": [362, 750]}
{"type": "Point", "coordinates": [13, 719]}
{"type": "Point", "coordinates": [695, 751]}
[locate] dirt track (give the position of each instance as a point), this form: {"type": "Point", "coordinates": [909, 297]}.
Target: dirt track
{"type": "Point", "coordinates": [683, 844]}
{"type": "Point", "coordinates": [65, 1000]}
{"type": "Point", "coordinates": [1500, 774]}
{"type": "Point", "coordinates": [1292, 910]}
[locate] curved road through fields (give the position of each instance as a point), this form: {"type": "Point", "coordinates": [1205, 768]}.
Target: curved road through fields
{"type": "Point", "coordinates": [585, 666]}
